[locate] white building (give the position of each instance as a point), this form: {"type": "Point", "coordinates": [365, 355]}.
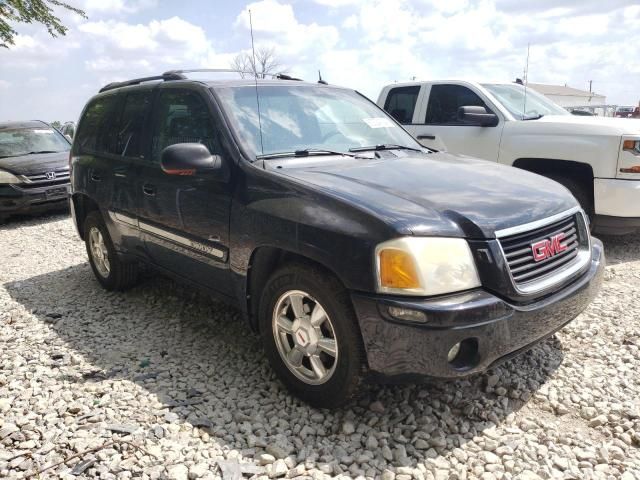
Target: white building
{"type": "Point", "coordinates": [567, 96]}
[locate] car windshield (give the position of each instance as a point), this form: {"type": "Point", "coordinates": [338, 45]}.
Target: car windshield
{"type": "Point", "coordinates": [625, 109]}
{"type": "Point", "coordinates": [23, 141]}
{"type": "Point", "coordinates": [512, 97]}
{"type": "Point", "coordinates": [296, 118]}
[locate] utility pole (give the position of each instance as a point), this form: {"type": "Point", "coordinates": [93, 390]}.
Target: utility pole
{"type": "Point", "coordinates": [590, 83]}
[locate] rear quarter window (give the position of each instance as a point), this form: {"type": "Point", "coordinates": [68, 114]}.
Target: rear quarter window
{"type": "Point", "coordinates": [97, 129]}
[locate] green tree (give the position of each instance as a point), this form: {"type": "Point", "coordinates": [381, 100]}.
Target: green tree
{"type": "Point", "coordinates": [31, 11]}
{"type": "Point", "coordinates": [56, 124]}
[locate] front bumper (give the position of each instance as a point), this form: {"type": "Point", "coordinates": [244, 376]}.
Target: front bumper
{"type": "Point", "coordinates": [499, 329]}
{"type": "Point", "coordinates": [617, 197]}
{"type": "Point", "coordinates": [15, 200]}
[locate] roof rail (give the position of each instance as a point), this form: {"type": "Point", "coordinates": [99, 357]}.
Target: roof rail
{"type": "Point", "coordinates": [279, 76]}
{"type": "Point", "coordinates": [136, 81]}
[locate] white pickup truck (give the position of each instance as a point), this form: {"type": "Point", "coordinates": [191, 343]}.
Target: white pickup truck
{"type": "Point", "coordinates": [596, 158]}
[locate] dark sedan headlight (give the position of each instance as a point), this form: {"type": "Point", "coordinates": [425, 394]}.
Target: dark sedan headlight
{"type": "Point", "coordinates": [6, 178]}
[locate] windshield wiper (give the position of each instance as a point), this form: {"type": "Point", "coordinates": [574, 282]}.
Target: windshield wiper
{"type": "Point", "coordinates": [43, 151]}
{"type": "Point", "coordinates": [306, 152]}
{"type": "Point", "coordinates": [384, 146]}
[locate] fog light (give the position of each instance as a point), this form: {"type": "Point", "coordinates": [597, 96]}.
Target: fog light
{"type": "Point", "coordinates": [407, 314]}
{"type": "Point", "coordinates": [453, 353]}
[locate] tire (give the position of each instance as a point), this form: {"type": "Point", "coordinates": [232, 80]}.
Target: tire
{"type": "Point", "coordinates": [115, 274]}
{"type": "Point", "coordinates": [345, 370]}
{"type": "Point", "coordinates": [578, 190]}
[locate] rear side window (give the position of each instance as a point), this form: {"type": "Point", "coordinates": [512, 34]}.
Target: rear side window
{"type": "Point", "coordinates": [182, 117]}
{"type": "Point", "coordinates": [445, 100]}
{"type": "Point", "coordinates": [97, 130]}
{"type": "Point", "coordinates": [128, 139]}
{"type": "Point", "coordinates": [401, 103]}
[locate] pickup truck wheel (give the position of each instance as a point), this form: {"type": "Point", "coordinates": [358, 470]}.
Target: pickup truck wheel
{"type": "Point", "coordinates": [111, 272]}
{"type": "Point", "coordinates": [578, 190]}
{"type": "Point", "coordinates": [311, 336]}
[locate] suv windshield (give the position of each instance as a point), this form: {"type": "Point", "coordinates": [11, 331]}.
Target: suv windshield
{"type": "Point", "coordinates": [512, 98]}
{"type": "Point", "coordinates": [24, 141]}
{"type": "Point", "coordinates": [296, 118]}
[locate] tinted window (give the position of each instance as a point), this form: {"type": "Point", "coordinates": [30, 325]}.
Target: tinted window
{"type": "Point", "coordinates": [128, 140]}
{"type": "Point", "coordinates": [444, 102]}
{"type": "Point", "coordinates": [182, 117]}
{"type": "Point", "coordinates": [401, 103]}
{"type": "Point", "coordinates": [97, 130]}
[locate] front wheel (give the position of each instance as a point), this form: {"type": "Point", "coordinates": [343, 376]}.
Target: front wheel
{"type": "Point", "coordinates": [582, 194]}
{"type": "Point", "coordinates": [109, 269]}
{"type": "Point", "coordinates": [311, 336]}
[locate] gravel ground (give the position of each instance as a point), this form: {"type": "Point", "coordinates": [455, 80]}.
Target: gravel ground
{"type": "Point", "coordinates": [159, 382]}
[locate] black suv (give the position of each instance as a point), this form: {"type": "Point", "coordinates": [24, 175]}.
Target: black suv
{"type": "Point", "coordinates": [355, 252]}
{"type": "Point", "coordinates": [34, 168]}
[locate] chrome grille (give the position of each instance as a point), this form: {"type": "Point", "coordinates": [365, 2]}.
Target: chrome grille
{"type": "Point", "coordinates": [39, 180]}
{"type": "Point", "coordinates": [519, 252]}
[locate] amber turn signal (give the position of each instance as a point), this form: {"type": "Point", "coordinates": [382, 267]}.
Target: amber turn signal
{"type": "Point", "coordinates": [397, 269]}
{"type": "Point", "coordinates": [634, 169]}
{"type": "Point", "coordinates": [629, 144]}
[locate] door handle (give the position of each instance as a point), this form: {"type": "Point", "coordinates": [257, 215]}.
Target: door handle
{"type": "Point", "coordinates": [95, 177]}
{"type": "Point", "coordinates": [426, 137]}
{"type": "Point", "coordinates": [149, 189]}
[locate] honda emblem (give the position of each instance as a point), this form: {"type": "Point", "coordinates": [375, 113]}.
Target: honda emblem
{"type": "Point", "coordinates": [50, 175]}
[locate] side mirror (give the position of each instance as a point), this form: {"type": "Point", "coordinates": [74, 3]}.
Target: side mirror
{"type": "Point", "coordinates": [188, 159]}
{"type": "Point", "coordinates": [477, 116]}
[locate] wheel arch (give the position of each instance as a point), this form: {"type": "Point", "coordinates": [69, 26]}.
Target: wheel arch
{"type": "Point", "coordinates": [82, 205]}
{"type": "Point", "coordinates": [263, 262]}
{"type": "Point", "coordinates": [578, 171]}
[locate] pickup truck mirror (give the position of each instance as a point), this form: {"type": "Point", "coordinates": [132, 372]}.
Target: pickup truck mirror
{"type": "Point", "coordinates": [188, 159]}
{"type": "Point", "coordinates": [477, 116]}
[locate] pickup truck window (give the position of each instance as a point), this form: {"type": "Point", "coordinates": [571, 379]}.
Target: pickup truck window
{"type": "Point", "coordinates": [182, 117]}
{"type": "Point", "coordinates": [303, 117]}
{"type": "Point", "coordinates": [513, 99]}
{"type": "Point", "coordinates": [401, 103]}
{"type": "Point", "coordinates": [444, 102]}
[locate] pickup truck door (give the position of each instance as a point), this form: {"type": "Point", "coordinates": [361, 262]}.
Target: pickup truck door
{"type": "Point", "coordinates": [436, 123]}
{"type": "Point", "coordinates": [184, 220]}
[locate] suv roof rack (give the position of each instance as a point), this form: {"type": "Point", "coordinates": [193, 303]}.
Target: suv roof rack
{"type": "Point", "coordinates": [136, 81]}
{"type": "Point", "coordinates": [179, 75]}
{"type": "Point", "coordinates": [279, 76]}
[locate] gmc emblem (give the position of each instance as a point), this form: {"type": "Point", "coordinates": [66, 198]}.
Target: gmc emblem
{"type": "Point", "coordinates": [548, 247]}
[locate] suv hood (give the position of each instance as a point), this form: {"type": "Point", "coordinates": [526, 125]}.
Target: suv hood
{"type": "Point", "coordinates": [435, 194]}
{"type": "Point", "coordinates": [591, 125]}
{"type": "Point", "coordinates": [37, 163]}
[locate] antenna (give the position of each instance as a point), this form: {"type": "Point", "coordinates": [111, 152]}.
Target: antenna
{"type": "Point", "coordinates": [526, 81]}
{"type": "Point", "coordinates": [255, 72]}
{"type": "Point", "coordinates": [320, 80]}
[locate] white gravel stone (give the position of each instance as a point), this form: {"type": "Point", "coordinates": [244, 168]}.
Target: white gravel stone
{"type": "Point", "coordinates": [183, 377]}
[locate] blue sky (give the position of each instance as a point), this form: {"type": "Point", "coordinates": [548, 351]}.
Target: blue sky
{"type": "Point", "coordinates": [363, 44]}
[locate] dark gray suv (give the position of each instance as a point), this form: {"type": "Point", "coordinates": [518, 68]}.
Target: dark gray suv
{"type": "Point", "coordinates": [34, 168]}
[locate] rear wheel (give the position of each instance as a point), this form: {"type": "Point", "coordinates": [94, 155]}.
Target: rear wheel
{"type": "Point", "coordinates": [109, 269]}
{"type": "Point", "coordinates": [311, 336]}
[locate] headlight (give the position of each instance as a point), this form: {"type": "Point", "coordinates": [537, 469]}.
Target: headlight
{"type": "Point", "coordinates": [425, 266]}
{"type": "Point", "coordinates": [6, 177]}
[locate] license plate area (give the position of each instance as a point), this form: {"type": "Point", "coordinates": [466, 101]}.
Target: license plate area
{"type": "Point", "coordinates": [56, 192]}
